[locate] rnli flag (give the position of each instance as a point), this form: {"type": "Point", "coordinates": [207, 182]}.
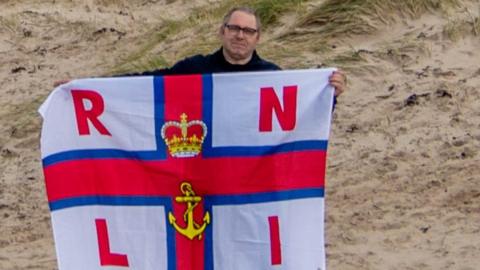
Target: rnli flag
{"type": "Point", "coordinates": [194, 172]}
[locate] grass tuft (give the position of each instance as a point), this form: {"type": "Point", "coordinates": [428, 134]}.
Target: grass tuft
{"type": "Point", "coordinates": [271, 10]}
{"type": "Point", "coordinates": [354, 17]}
{"type": "Point", "coordinates": [141, 59]}
{"type": "Point", "coordinates": [11, 25]}
{"type": "Point", "coordinates": [476, 26]}
{"type": "Point", "coordinates": [460, 28]}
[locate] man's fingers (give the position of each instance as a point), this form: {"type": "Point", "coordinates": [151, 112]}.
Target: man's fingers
{"type": "Point", "coordinates": [339, 76]}
{"type": "Point", "coordinates": [339, 88]}
{"type": "Point", "coordinates": [339, 81]}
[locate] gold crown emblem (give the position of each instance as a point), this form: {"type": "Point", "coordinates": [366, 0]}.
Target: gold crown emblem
{"type": "Point", "coordinates": [184, 146]}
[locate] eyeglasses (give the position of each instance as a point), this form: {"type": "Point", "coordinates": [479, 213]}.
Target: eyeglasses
{"type": "Point", "coordinates": [236, 29]}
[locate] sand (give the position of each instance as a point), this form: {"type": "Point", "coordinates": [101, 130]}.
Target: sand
{"type": "Point", "coordinates": [403, 176]}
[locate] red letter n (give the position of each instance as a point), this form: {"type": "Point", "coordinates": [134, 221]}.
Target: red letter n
{"type": "Point", "coordinates": [83, 114]}
{"type": "Point", "coordinates": [106, 257]}
{"type": "Point", "coordinates": [269, 103]}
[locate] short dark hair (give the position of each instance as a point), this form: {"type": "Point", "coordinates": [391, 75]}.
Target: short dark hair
{"type": "Point", "coordinates": [247, 10]}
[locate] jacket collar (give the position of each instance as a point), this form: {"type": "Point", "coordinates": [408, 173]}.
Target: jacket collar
{"type": "Point", "coordinates": [221, 58]}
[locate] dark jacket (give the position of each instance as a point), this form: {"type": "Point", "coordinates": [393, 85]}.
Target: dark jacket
{"type": "Point", "coordinates": [211, 63]}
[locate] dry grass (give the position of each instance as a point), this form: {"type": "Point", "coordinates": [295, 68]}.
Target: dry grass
{"type": "Point", "coordinates": [270, 11]}
{"type": "Point", "coordinates": [335, 17]}
{"type": "Point", "coordinates": [476, 26]}
{"type": "Point", "coordinates": [9, 25]}
{"type": "Point", "coordinates": [460, 27]}
{"type": "Point", "coordinates": [349, 57]}
{"type": "Point", "coordinates": [21, 119]}
{"type": "Point", "coordinates": [142, 59]}
{"type": "Point", "coordinates": [20, 25]}
{"type": "Point", "coordinates": [454, 29]}
{"type": "Point", "coordinates": [106, 3]}
{"type": "Point", "coordinates": [473, 21]}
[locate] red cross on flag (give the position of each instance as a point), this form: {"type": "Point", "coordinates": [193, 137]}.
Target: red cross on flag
{"type": "Point", "coordinates": [193, 172]}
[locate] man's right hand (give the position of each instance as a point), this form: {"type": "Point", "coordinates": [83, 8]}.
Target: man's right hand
{"type": "Point", "coordinates": [60, 82]}
{"type": "Point", "coordinates": [338, 80]}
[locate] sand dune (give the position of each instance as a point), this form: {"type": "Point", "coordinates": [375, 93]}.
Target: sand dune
{"type": "Point", "coordinates": [403, 187]}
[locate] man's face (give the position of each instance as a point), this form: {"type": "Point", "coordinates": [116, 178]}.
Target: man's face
{"type": "Point", "coordinates": [238, 39]}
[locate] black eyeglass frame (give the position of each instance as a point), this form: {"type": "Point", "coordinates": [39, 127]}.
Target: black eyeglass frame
{"type": "Point", "coordinates": [236, 29]}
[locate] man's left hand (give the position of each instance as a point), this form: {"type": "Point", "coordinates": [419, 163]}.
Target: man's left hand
{"type": "Point", "coordinates": [338, 80]}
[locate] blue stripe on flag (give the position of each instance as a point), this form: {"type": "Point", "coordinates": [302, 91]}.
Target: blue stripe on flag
{"type": "Point", "coordinates": [159, 105]}
{"type": "Point", "coordinates": [264, 197]}
{"type": "Point", "coordinates": [207, 104]}
{"type": "Point", "coordinates": [110, 200]}
{"type": "Point", "coordinates": [264, 150]}
{"type": "Point", "coordinates": [101, 153]}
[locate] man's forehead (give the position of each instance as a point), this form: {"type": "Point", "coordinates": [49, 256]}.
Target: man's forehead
{"type": "Point", "coordinates": [243, 19]}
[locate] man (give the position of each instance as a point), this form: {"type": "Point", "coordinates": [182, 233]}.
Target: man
{"type": "Point", "coordinates": [239, 34]}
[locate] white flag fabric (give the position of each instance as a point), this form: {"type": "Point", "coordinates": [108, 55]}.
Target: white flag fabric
{"type": "Point", "coordinates": [212, 171]}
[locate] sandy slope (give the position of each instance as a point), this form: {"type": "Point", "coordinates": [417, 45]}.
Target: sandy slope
{"type": "Point", "coordinates": [403, 179]}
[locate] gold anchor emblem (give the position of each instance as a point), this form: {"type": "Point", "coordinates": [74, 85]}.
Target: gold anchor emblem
{"type": "Point", "coordinates": [193, 229]}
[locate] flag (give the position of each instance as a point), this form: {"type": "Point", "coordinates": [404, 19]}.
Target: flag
{"type": "Point", "coordinates": [190, 172]}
